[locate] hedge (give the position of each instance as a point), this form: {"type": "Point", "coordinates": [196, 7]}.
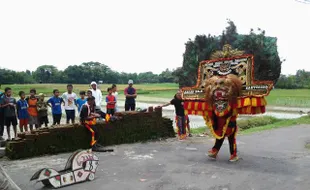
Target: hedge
{"type": "Point", "coordinates": [133, 127]}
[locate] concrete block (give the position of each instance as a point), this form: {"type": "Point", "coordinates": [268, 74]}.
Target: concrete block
{"type": "Point", "coordinates": [2, 143]}
{"type": "Point", "coordinates": [2, 152]}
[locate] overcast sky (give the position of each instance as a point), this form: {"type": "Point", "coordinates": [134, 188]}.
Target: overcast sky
{"type": "Point", "coordinates": [140, 35]}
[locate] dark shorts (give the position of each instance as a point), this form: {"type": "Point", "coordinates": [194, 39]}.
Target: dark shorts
{"type": "Point", "coordinates": [43, 120]}
{"type": "Point", "coordinates": [56, 119]}
{"type": "Point", "coordinates": [1, 123]}
{"type": "Point", "coordinates": [130, 107]}
{"type": "Point", "coordinates": [1, 118]}
{"type": "Point", "coordinates": [10, 121]}
{"type": "Point", "coordinates": [70, 114]}
{"type": "Point", "coordinates": [111, 111]}
{"type": "Point", "coordinates": [33, 120]}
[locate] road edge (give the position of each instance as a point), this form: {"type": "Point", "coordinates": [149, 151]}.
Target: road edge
{"type": "Point", "coordinates": [6, 183]}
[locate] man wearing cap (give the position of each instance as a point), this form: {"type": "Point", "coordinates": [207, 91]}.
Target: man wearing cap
{"type": "Point", "coordinates": [96, 93]}
{"type": "Point", "coordinates": [130, 94]}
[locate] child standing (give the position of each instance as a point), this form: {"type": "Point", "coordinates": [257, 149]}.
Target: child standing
{"type": "Point", "coordinates": [22, 112]}
{"type": "Point", "coordinates": [69, 98]}
{"type": "Point", "coordinates": [115, 94]}
{"type": "Point", "coordinates": [55, 102]}
{"type": "Point", "coordinates": [111, 100]}
{"type": "Point", "coordinates": [42, 110]}
{"type": "Point", "coordinates": [8, 104]}
{"type": "Point", "coordinates": [181, 119]}
{"type": "Point", "coordinates": [81, 101]}
{"type": "Point", "coordinates": [32, 109]}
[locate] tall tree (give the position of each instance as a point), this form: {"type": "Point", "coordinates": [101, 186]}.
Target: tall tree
{"type": "Point", "coordinates": [267, 61]}
{"type": "Point", "coordinates": [46, 74]}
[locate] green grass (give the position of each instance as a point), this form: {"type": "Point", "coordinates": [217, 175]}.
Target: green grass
{"type": "Point", "coordinates": [262, 123]}
{"type": "Point", "coordinates": [277, 97]}
{"type": "Point", "coordinates": [143, 89]}
{"type": "Point", "coordinates": [279, 124]}
{"type": "Point", "coordinates": [289, 97]}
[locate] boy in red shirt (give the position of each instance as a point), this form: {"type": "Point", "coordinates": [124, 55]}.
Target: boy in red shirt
{"type": "Point", "coordinates": [111, 101]}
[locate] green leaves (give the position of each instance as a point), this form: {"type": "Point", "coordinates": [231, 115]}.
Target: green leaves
{"type": "Point", "coordinates": [264, 49]}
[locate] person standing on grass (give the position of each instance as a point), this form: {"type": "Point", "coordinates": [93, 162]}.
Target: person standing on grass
{"type": "Point", "coordinates": [42, 111]}
{"type": "Point", "coordinates": [181, 119]}
{"type": "Point", "coordinates": [97, 94]}
{"type": "Point", "coordinates": [22, 112]}
{"type": "Point", "coordinates": [8, 104]}
{"type": "Point", "coordinates": [55, 103]}
{"type": "Point", "coordinates": [69, 98]}
{"type": "Point", "coordinates": [1, 117]}
{"type": "Point", "coordinates": [131, 95]}
{"type": "Point", "coordinates": [81, 101]}
{"type": "Point", "coordinates": [115, 94]}
{"type": "Point", "coordinates": [111, 101]}
{"type": "Point", "coordinates": [32, 109]}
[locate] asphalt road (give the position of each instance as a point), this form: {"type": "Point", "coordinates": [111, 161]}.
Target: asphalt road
{"type": "Point", "coordinates": [270, 160]}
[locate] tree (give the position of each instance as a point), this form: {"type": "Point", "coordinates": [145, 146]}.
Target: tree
{"type": "Point", "coordinates": [166, 76]}
{"type": "Point", "coordinates": [46, 74]}
{"type": "Point", "coordinates": [267, 61]}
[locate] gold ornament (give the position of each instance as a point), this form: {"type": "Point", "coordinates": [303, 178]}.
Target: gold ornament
{"type": "Point", "coordinates": [226, 52]}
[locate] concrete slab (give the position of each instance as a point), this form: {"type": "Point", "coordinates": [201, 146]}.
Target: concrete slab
{"type": "Point", "coordinates": [2, 152]}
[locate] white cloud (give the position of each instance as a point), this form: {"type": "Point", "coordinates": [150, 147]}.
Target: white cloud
{"type": "Point", "coordinates": [139, 35]}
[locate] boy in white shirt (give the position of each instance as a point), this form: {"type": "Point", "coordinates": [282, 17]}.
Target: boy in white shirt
{"type": "Point", "coordinates": [115, 94]}
{"type": "Point", "coordinates": [97, 94]}
{"type": "Point", "coordinates": [69, 98]}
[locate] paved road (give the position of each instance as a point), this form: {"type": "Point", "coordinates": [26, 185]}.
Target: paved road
{"type": "Point", "coordinates": [271, 160]}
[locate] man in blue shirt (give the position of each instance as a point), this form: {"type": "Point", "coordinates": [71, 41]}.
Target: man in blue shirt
{"type": "Point", "coordinates": [130, 94]}
{"type": "Point", "coordinates": [55, 102]}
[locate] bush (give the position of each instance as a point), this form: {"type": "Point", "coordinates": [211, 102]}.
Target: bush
{"type": "Point", "coordinates": [134, 127]}
{"type": "Point", "coordinates": [256, 122]}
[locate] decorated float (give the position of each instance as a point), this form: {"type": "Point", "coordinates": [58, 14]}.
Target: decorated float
{"type": "Point", "coordinates": [81, 166]}
{"type": "Point", "coordinates": [226, 87]}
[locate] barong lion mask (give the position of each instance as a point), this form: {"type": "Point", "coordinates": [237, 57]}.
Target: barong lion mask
{"type": "Point", "coordinates": [220, 90]}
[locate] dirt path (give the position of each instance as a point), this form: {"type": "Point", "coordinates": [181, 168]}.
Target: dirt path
{"type": "Point", "coordinates": [272, 160]}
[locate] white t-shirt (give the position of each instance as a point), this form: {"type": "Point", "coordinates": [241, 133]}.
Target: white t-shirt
{"type": "Point", "coordinates": [98, 97]}
{"type": "Point", "coordinates": [115, 94]}
{"type": "Point", "coordinates": [69, 100]}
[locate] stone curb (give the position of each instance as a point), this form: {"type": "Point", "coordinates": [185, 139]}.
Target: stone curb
{"type": "Point", "coordinates": [2, 143]}
{"type": "Point", "coordinates": [2, 152]}
{"type": "Point", "coordinates": [6, 183]}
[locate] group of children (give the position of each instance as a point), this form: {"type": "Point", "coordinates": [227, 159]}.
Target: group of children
{"type": "Point", "coordinates": [32, 111]}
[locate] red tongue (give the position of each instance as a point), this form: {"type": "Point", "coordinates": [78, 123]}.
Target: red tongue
{"type": "Point", "coordinates": [218, 94]}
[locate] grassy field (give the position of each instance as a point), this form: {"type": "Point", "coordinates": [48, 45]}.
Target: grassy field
{"type": "Point", "coordinates": [277, 97]}
{"type": "Point", "coordinates": [260, 124]}
{"type": "Point", "coordinates": [143, 89]}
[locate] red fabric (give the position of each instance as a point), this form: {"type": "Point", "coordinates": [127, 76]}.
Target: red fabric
{"type": "Point", "coordinates": [110, 98]}
{"type": "Point", "coordinates": [221, 121]}
{"type": "Point", "coordinates": [23, 122]}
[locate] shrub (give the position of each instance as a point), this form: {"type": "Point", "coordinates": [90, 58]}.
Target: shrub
{"type": "Point", "coordinates": [256, 122]}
